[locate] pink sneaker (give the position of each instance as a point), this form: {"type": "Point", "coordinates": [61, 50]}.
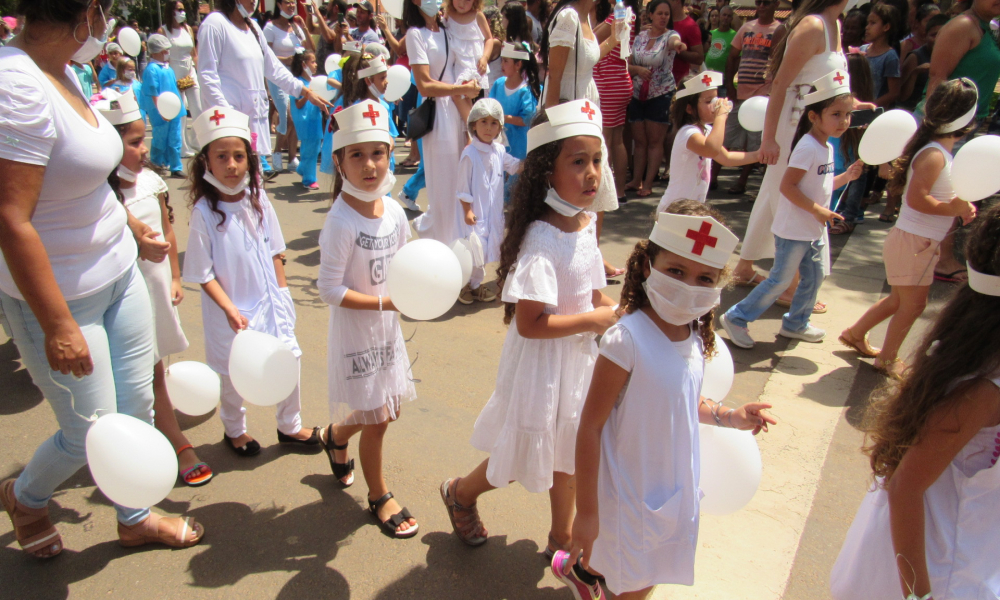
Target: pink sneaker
{"type": "Point", "coordinates": [313, 186]}
{"type": "Point", "coordinates": [581, 590]}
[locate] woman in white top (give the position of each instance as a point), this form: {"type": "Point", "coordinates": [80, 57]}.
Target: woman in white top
{"type": "Point", "coordinates": [235, 60]}
{"type": "Point", "coordinates": [570, 50]}
{"type": "Point", "coordinates": [184, 62]}
{"type": "Point", "coordinates": [431, 64]}
{"type": "Point", "coordinates": [72, 297]}
{"type": "Point", "coordinates": [285, 34]}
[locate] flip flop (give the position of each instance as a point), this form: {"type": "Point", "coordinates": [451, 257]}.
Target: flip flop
{"type": "Point", "coordinates": [818, 309]}
{"type": "Point", "coordinates": [950, 277]}
{"type": "Point", "coordinates": [756, 280]}
{"type": "Point", "coordinates": [195, 480]}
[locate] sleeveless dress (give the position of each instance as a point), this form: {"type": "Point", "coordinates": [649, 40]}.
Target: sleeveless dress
{"type": "Point", "coordinates": [758, 242]}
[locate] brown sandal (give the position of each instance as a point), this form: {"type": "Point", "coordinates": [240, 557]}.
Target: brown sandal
{"type": "Point", "coordinates": [148, 532]}
{"type": "Point", "coordinates": [861, 346]}
{"type": "Point", "coordinates": [889, 371]}
{"type": "Point", "coordinates": [468, 527]}
{"type": "Point", "coordinates": [21, 516]}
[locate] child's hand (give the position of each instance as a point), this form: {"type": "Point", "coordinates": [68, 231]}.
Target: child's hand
{"type": "Point", "coordinates": [965, 210]}
{"type": "Point", "coordinates": [854, 171]}
{"type": "Point", "coordinates": [483, 65]}
{"type": "Point", "coordinates": [751, 416]}
{"type": "Point", "coordinates": [176, 291]}
{"type": "Point", "coordinates": [470, 218]}
{"type": "Point", "coordinates": [585, 530]}
{"type": "Point", "coordinates": [236, 319]}
{"type": "Point", "coordinates": [603, 318]}
{"type": "Point", "coordinates": [150, 248]}
{"type": "Point", "coordinates": [721, 107]}
{"type": "Point", "coordinates": [825, 215]}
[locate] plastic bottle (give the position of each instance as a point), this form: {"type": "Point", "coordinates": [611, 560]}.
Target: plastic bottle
{"type": "Point", "coordinates": [619, 11]}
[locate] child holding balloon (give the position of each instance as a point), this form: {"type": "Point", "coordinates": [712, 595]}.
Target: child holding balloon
{"type": "Point", "coordinates": [159, 79]}
{"type": "Point", "coordinates": [913, 246]}
{"type": "Point", "coordinates": [367, 362]}
{"type": "Point", "coordinates": [637, 483]}
{"type": "Point", "coordinates": [234, 254]}
{"type": "Point", "coordinates": [551, 272]}
{"type": "Point", "coordinates": [699, 120]}
{"type": "Point", "coordinates": [929, 522]}
{"type": "Point", "coordinates": [307, 118]}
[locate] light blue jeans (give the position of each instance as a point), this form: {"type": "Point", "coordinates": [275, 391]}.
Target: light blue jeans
{"type": "Point", "coordinates": [117, 324]}
{"type": "Point", "coordinates": [789, 256]}
{"type": "Point", "coordinates": [280, 98]}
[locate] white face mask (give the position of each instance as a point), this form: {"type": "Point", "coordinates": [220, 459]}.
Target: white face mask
{"type": "Point", "coordinates": [430, 7]}
{"type": "Point", "coordinates": [384, 188]}
{"type": "Point", "coordinates": [308, 72]}
{"type": "Point", "coordinates": [128, 75]}
{"type": "Point", "coordinates": [288, 16]}
{"type": "Point", "coordinates": [126, 174]}
{"type": "Point", "coordinates": [374, 91]}
{"type": "Point", "coordinates": [242, 9]}
{"type": "Point", "coordinates": [676, 302]}
{"type": "Point", "coordinates": [180, 16]}
{"type": "Point", "coordinates": [225, 189]}
{"type": "Point", "coordinates": [561, 206]}
{"type": "Point", "coordinates": [92, 46]}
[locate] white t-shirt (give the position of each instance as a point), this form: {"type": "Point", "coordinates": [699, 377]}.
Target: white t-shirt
{"type": "Point", "coordinates": [689, 172]}
{"type": "Point", "coordinates": [816, 159]}
{"type": "Point", "coordinates": [935, 227]}
{"type": "Point", "coordinates": [80, 221]}
{"type": "Point", "coordinates": [282, 42]}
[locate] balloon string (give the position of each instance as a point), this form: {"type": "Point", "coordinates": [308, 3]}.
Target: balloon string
{"type": "Point", "coordinates": [72, 400]}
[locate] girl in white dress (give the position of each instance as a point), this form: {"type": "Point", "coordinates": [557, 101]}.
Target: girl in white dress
{"type": "Point", "coordinates": [637, 450]}
{"type": "Point", "coordinates": [551, 273]}
{"type": "Point", "coordinates": [480, 190]}
{"type": "Point", "coordinates": [928, 526]}
{"type": "Point", "coordinates": [235, 253]}
{"type": "Point", "coordinates": [145, 197]}
{"type": "Point", "coordinates": [471, 45]}
{"type": "Point", "coordinates": [368, 366]}
{"type": "Point", "coordinates": [699, 119]}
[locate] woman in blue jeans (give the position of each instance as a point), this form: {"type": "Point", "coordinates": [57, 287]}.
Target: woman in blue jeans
{"type": "Point", "coordinates": [72, 297]}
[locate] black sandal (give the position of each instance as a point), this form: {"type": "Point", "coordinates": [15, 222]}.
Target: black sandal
{"type": "Point", "coordinates": [340, 470]}
{"type": "Point", "coordinates": [251, 448]}
{"type": "Point", "coordinates": [392, 524]}
{"type": "Point", "coordinates": [312, 440]}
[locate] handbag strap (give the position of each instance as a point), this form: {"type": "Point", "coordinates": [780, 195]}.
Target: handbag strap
{"type": "Point", "coordinates": [576, 55]}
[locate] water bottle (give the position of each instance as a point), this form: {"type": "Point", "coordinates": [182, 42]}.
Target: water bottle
{"type": "Point", "coordinates": [619, 11]}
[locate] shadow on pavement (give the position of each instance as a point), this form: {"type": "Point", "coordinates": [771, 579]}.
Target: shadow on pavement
{"type": "Point", "coordinates": [19, 393]}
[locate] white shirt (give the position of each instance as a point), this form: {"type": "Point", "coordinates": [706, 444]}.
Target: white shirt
{"type": "Point", "coordinates": [282, 42]}
{"type": "Point", "coordinates": [911, 220]}
{"type": "Point", "coordinates": [689, 172]}
{"type": "Point", "coordinates": [816, 159]}
{"type": "Point", "coordinates": [80, 221]}
{"type": "Point", "coordinates": [181, 47]}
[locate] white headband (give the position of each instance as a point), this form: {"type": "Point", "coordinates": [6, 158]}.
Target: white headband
{"type": "Point", "coordinates": [511, 51]}
{"type": "Point", "coordinates": [988, 285]}
{"type": "Point", "coordinates": [967, 117]}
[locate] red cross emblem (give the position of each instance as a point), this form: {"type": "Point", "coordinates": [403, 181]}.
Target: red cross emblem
{"type": "Point", "coordinates": [588, 111]}
{"type": "Point", "coordinates": [217, 117]}
{"type": "Point", "coordinates": [707, 79]}
{"type": "Point", "coordinates": [371, 114]}
{"type": "Point", "coordinates": [839, 78]}
{"type": "Point", "coordinates": [702, 238]}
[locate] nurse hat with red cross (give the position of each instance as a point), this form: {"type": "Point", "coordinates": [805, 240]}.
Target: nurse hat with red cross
{"type": "Point", "coordinates": [353, 47]}
{"type": "Point", "coordinates": [366, 121]}
{"type": "Point", "coordinates": [831, 85]}
{"type": "Point", "coordinates": [701, 239]}
{"type": "Point", "coordinates": [119, 109]}
{"type": "Point", "coordinates": [700, 82]}
{"type": "Point", "coordinates": [220, 122]}
{"type": "Point", "coordinates": [579, 117]}
{"type": "Point", "coordinates": [375, 66]}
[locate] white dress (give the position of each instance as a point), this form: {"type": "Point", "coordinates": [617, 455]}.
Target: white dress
{"type": "Point", "coordinates": [960, 533]}
{"type": "Point", "coordinates": [529, 424]}
{"type": "Point", "coordinates": [650, 464]}
{"type": "Point", "coordinates": [467, 45]}
{"type": "Point", "coordinates": [182, 63]}
{"type": "Point", "coordinates": [369, 371]}
{"type": "Point", "coordinates": [240, 257]}
{"type": "Point", "coordinates": [689, 172]}
{"type": "Point", "coordinates": [143, 201]}
{"type": "Point", "coordinates": [443, 145]}
{"type": "Point", "coordinates": [480, 183]}
{"type": "Point", "coordinates": [233, 65]}
{"type": "Point", "coordinates": [578, 83]}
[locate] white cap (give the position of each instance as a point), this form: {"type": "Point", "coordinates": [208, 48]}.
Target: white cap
{"type": "Point", "coordinates": [486, 107]}
{"type": "Point", "coordinates": [701, 239]}
{"type": "Point", "coordinates": [828, 86]}
{"type": "Point", "coordinates": [578, 117]}
{"type": "Point", "coordinates": [375, 66]}
{"type": "Point", "coordinates": [355, 47]}
{"type": "Point", "coordinates": [117, 108]}
{"type": "Point", "coordinates": [367, 121]}
{"type": "Point", "coordinates": [704, 81]}
{"type": "Point", "coordinates": [517, 52]}
{"type": "Point", "coordinates": [219, 122]}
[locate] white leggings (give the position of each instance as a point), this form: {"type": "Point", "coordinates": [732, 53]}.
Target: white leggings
{"type": "Point", "coordinates": [234, 415]}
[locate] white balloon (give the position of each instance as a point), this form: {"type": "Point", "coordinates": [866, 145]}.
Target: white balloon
{"type": "Point", "coordinates": [719, 373]}
{"type": "Point", "coordinates": [332, 63]}
{"type": "Point", "coordinates": [318, 85]}
{"type": "Point", "coordinates": [424, 279]}
{"type": "Point", "coordinates": [730, 469]}
{"type": "Point", "coordinates": [886, 137]}
{"type": "Point", "coordinates": [131, 461]}
{"type": "Point", "coordinates": [129, 40]}
{"type": "Point", "coordinates": [263, 369]}
{"type": "Point", "coordinates": [194, 388]}
{"type": "Point", "coordinates": [752, 113]}
{"type": "Point", "coordinates": [168, 105]}
{"type": "Point", "coordinates": [462, 250]}
{"type": "Point", "coordinates": [399, 83]}
{"type": "Point", "coordinates": [974, 172]}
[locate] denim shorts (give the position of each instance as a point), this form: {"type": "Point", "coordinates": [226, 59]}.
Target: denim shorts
{"type": "Point", "coordinates": [655, 109]}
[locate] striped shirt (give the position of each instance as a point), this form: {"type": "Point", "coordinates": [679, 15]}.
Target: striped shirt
{"type": "Point", "coordinates": [754, 43]}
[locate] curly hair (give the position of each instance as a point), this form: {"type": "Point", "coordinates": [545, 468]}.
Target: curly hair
{"type": "Point", "coordinates": [959, 347]}
{"type": "Point", "coordinates": [947, 102]}
{"type": "Point", "coordinates": [202, 189]}
{"type": "Point", "coordinates": [633, 295]}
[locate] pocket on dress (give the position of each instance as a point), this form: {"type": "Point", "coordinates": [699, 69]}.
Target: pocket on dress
{"type": "Point", "coordinates": [659, 524]}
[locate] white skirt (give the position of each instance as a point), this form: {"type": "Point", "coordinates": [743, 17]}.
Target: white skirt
{"type": "Point", "coordinates": [170, 338]}
{"type": "Point", "coordinates": [529, 424]}
{"type": "Point", "coordinates": [368, 367]}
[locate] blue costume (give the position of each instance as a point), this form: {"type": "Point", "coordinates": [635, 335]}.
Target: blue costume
{"type": "Point", "coordinates": [521, 103]}
{"type": "Point", "coordinates": [417, 181]}
{"type": "Point", "coordinates": [107, 75]}
{"type": "Point", "coordinates": [308, 122]}
{"type": "Point", "coordinates": [326, 155]}
{"type": "Point", "coordinates": [166, 152]}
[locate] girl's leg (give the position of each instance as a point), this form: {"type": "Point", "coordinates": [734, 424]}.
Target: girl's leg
{"type": "Point", "coordinates": [744, 271]}
{"type": "Point", "coordinates": [912, 301]}
{"type": "Point", "coordinates": [619, 161]}
{"type": "Point", "coordinates": [370, 453]}
{"type": "Point", "coordinates": [460, 496]}
{"type": "Point", "coordinates": [166, 421]}
{"type": "Point", "coordinates": [655, 134]}
{"type": "Point", "coordinates": [562, 499]}
{"type": "Point", "coordinates": [289, 413]}
{"type": "Point", "coordinates": [293, 141]}
{"type": "Point", "coordinates": [880, 311]}
{"type": "Point", "coordinates": [232, 414]}
{"type": "Point", "coordinates": [637, 595]}
{"type": "Point", "coordinates": [639, 157]}
{"type": "Point", "coordinates": [472, 486]}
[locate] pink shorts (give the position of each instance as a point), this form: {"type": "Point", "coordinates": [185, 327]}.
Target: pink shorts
{"type": "Point", "coordinates": [909, 258]}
